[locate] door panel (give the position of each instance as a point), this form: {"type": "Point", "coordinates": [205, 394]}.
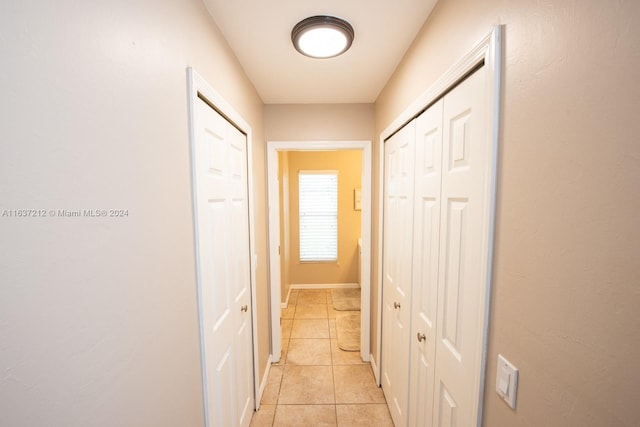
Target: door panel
{"type": "Point", "coordinates": [454, 261]}
{"type": "Point", "coordinates": [215, 269]}
{"type": "Point", "coordinates": [397, 241]}
{"type": "Point", "coordinates": [463, 224]}
{"type": "Point", "coordinates": [425, 263]}
{"type": "Point", "coordinates": [222, 238]}
{"type": "Point", "coordinates": [245, 379]}
{"type": "Point", "coordinates": [447, 414]}
{"type": "Point", "coordinates": [223, 379]}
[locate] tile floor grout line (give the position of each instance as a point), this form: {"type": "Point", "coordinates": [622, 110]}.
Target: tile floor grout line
{"type": "Point", "coordinates": [284, 362]}
{"type": "Point", "coordinates": [333, 375]}
{"type": "Point", "coordinates": [332, 357]}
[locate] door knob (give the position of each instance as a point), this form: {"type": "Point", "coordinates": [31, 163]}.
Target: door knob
{"type": "Point", "coordinates": [396, 305]}
{"type": "Point", "coordinates": [421, 337]}
{"type": "Point", "coordinates": [244, 308]}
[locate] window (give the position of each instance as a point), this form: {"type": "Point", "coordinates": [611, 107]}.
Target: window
{"type": "Point", "coordinates": [318, 208]}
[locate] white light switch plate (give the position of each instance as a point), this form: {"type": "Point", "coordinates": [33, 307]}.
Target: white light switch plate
{"type": "Point", "coordinates": [507, 381]}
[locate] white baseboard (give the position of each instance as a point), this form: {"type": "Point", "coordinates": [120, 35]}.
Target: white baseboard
{"type": "Point", "coordinates": [263, 383]}
{"type": "Point", "coordinates": [374, 367]}
{"type": "Point", "coordinates": [317, 286]}
{"type": "Point", "coordinates": [285, 304]}
{"type": "Point", "coordinates": [324, 285]}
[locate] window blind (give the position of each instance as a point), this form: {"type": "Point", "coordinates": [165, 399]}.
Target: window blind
{"type": "Point", "coordinates": [318, 208]}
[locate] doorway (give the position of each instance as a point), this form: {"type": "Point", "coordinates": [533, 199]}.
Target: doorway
{"type": "Point", "coordinates": [273, 147]}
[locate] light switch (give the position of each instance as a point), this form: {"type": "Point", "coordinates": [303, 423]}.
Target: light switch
{"type": "Point", "coordinates": [507, 381]}
{"type": "Point", "coordinates": [503, 384]}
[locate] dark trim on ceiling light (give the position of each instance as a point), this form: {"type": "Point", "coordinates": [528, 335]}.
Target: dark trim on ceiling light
{"type": "Point", "coordinates": [322, 21]}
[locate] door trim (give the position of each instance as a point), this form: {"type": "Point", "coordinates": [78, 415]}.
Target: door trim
{"type": "Point", "coordinates": [274, 234]}
{"type": "Point", "coordinates": [489, 51]}
{"type": "Point", "coordinates": [198, 86]}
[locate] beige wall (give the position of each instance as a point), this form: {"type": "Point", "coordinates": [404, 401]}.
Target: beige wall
{"type": "Point", "coordinates": [348, 163]}
{"type": "Point", "coordinates": [314, 122]}
{"type": "Point", "coordinates": [98, 317]}
{"type": "Point", "coordinates": [565, 302]}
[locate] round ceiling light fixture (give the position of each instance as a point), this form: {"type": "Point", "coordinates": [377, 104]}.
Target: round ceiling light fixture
{"type": "Point", "coordinates": [322, 36]}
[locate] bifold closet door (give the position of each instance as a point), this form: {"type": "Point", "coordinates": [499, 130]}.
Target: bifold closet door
{"type": "Point", "coordinates": [426, 251]}
{"type": "Point", "coordinates": [397, 236]}
{"type": "Point", "coordinates": [223, 263]}
{"type": "Point", "coordinates": [463, 253]}
{"type": "Point", "coordinates": [435, 257]}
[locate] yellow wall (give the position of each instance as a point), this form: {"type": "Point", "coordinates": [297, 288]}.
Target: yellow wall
{"type": "Point", "coordinates": [285, 220]}
{"type": "Point", "coordinates": [313, 122]}
{"type": "Point", "coordinates": [565, 302]}
{"type": "Point", "coordinates": [348, 163]}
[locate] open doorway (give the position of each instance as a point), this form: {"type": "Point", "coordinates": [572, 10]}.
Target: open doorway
{"type": "Point", "coordinates": [275, 244]}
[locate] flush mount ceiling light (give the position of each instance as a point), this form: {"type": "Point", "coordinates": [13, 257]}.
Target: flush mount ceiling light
{"type": "Point", "coordinates": [322, 36]}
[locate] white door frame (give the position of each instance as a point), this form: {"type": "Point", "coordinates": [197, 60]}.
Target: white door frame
{"type": "Point", "coordinates": [199, 86]}
{"type": "Point", "coordinates": [274, 234]}
{"type": "Point", "coordinates": [489, 51]}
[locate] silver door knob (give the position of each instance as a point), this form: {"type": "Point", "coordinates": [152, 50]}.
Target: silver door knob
{"type": "Point", "coordinates": [396, 305]}
{"type": "Point", "coordinates": [421, 337]}
{"type": "Point", "coordinates": [244, 308]}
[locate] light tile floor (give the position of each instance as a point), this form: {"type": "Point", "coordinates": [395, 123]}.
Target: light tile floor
{"type": "Point", "coordinates": [315, 383]}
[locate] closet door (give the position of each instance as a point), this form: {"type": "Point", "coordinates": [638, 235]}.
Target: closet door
{"type": "Point", "coordinates": [426, 224]}
{"type": "Point", "coordinates": [396, 297]}
{"type": "Point", "coordinates": [223, 267]}
{"type": "Point", "coordinates": [462, 276]}
{"type": "Point", "coordinates": [435, 260]}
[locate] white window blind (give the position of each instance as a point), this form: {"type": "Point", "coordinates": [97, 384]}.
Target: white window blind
{"type": "Point", "coordinates": [318, 207]}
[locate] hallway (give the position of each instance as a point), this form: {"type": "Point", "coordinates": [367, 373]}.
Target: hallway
{"type": "Point", "coordinates": [316, 383]}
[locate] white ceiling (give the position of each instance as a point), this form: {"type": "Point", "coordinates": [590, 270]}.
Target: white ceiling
{"type": "Point", "coordinates": [259, 32]}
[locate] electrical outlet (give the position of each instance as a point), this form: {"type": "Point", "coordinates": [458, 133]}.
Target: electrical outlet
{"type": "Point", "coordinates": [507, 381]}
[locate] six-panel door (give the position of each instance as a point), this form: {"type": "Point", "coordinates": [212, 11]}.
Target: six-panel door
{"type": "Point", "coordinates": [222, 224]}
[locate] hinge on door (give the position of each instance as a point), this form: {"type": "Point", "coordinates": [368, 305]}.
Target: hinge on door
{"type": "Point", "coordinates": [278, 249]}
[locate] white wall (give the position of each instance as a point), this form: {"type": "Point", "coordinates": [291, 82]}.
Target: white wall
{"type": "Point", "coordinates": [98, 317]}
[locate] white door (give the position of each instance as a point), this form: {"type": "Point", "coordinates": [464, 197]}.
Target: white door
{"type": "Point", "coordinates": [462, 281]}
{"type": "Point", "coordinates": [396, 292]}
{"type": "Point", "coordinates": [222, 241]}
{"type": "Point", "coordinates": [426, 243]}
